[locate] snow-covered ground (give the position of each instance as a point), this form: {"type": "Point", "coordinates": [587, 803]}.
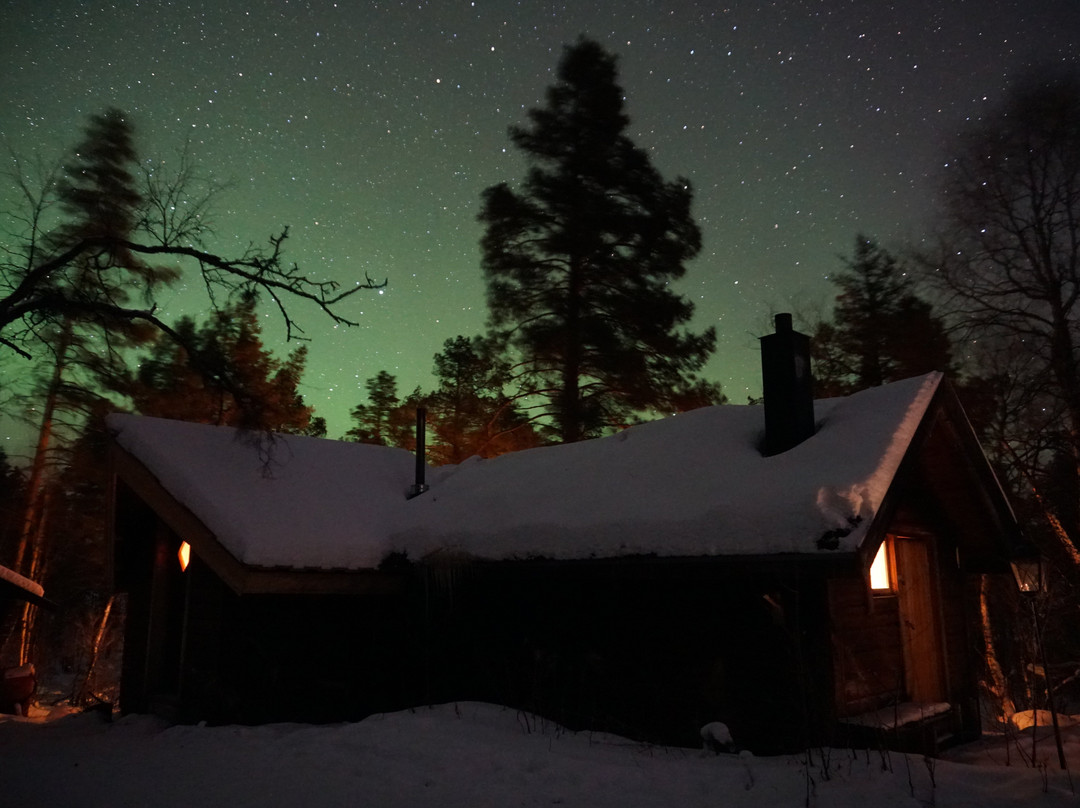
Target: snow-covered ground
{"type": "Point", "coordinates": [472, 754]}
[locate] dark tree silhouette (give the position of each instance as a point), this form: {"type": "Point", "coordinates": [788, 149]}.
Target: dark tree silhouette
{"type": "Point", "coordinates": [469, 412]}
{"type": "Point", "coordinates": [881, 330]}
{"type": "Point", "coordinates": [384, 420]}
{"type": "Point", "coordinates": [579, 262]}
{"type": "Point", "coordinates": [12, 494]}
{"type": "Point", "coordinates": [1009, 272]}
{"type": "Point", "coordinates": [220, 373]}
{"type": "Point", "coordinates": [94, 266]}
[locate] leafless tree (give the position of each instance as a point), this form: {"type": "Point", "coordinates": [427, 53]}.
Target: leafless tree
{"type": "Point", "coordinates": [1009, 270]}
{"type": "Point", "coordinates": [81, 246]}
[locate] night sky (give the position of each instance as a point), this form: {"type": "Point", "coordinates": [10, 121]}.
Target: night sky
{"type": "Point", "coordinates": [372, 128]}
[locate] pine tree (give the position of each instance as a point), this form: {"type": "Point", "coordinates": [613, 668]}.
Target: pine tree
{"type": "Point", "coordinates": [881, 330]}
{"type": "Point", "coordinates": [101, 201]}
{"type": "Point", "coordinates": [221, 373]}
{"type": "Point", "coordinates": [579, 263]}
{"type": "Point", "coordinates": [384, 420]}
{"type": "Point", "coordinates": [469, 413]}
{"type": "Point", "coordinates": [98, 192]}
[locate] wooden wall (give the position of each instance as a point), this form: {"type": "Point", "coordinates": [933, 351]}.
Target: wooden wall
{"type": "Point", "coordinates": [867, 652]}
{"type": "Point", "coordinates": [645, 649]}
{"type": "Point", "coordinates": [649, 651]}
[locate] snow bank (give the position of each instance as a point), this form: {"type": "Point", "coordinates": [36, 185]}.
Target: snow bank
{"type": "Point", "coordinates": [464, 754]}
{"type": "Point", "coordinates": [691, 485]}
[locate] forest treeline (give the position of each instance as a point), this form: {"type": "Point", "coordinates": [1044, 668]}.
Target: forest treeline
{"type": "Point", "coordinates": [586, 333]}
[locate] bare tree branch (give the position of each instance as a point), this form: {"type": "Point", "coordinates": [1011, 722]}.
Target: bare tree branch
{"type": "Point", "coordinates": [91, 260]}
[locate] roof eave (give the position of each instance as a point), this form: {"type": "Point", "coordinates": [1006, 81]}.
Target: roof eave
{"type": "Point", "coordinates": [944, 409]}
{"type": "Point", "coordinates": [240, 577]}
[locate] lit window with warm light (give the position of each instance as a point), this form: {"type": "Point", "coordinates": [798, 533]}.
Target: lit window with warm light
{"type": "Point", "coordinates": [880, 577]}
{"type": "Point", "coordinates": [184, 555]}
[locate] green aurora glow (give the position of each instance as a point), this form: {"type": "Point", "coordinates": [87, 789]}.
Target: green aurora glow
{"type": "Point", "coordinates": [372, 128]}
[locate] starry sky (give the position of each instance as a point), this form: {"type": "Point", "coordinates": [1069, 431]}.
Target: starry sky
{"type": "Point", "coordinates": [371, 129]}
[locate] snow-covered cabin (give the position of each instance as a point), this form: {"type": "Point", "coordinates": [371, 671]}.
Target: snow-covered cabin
{"type": "Point", "coordinates": [688, 570]}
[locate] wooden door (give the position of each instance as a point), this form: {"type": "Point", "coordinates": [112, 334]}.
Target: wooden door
{"type": "Point", "coordinates": [920, 635]}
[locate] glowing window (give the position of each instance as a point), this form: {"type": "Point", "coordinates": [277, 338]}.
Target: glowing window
{"type": "Point", "coordinates": [880, 580]}
{"type": "Point", "coordinates": [184, 555]}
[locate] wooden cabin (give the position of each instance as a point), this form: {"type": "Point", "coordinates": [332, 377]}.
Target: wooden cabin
{"type": "Point", "coordinates": [812, 588]}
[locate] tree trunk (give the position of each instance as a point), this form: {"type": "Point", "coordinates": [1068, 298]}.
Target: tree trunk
{"type": "Point", "coordinates": [35, 486]}
{"type": "Point", "coordinates": [1064, 540]}
{"type": "Point", "coordinates": [1064, 361]}
{"type": "Point", "coordinates": [571, 415]}
{"type": "Point", "coordinates": [81, 693]}
{"type": "Point", "coordinates": [998, 686]}
{"type": "Point", "coordinates": [35, 572]}
{"type": "Point", "coordinates": [29, 556]}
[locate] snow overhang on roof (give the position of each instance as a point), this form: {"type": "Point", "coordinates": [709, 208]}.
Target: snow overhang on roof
{"type": "Point", "coordinates": [693, 485]}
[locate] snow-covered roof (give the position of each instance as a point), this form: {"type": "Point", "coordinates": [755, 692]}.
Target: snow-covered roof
{"type": "Point", "coordinates": [694, 484]}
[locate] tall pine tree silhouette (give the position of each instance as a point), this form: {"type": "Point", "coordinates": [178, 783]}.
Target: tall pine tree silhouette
{"type": "Point", "coordinates": [221, 373]}
{"type": "Point", "coordinates": [579, 262]}
{"type": "Point", "coordinates": [101, 201]}
{"type": "Point", "coordinates": [881, 330]}
{"type": "Point", "coordinates": [385, 420]}
{"type": "Point", "coordinates": [468, 412]}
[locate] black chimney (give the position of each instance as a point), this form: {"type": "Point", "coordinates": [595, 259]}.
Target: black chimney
{"type": "Point", "coordinates": [787, 386]}
{"type": "Point", "coordinates": [420, 486]}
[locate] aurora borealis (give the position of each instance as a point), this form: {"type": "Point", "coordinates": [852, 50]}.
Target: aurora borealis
{"type": "Point", "coordinates": [372, 128]}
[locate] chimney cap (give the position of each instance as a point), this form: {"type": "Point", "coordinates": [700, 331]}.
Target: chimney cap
{"type": "Point", "coordinates": [782, 321]}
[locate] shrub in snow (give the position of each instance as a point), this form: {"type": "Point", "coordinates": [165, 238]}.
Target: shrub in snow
{"type": "Point", "coordinates": [716, 738]}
